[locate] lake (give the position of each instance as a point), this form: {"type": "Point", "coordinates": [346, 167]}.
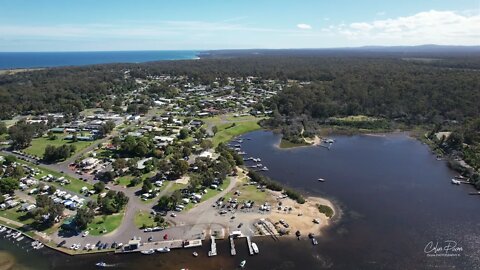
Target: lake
{"type": "Point", "coordinates": [395, 198]}
{"type": "Point", "coordinates": [12, 60]}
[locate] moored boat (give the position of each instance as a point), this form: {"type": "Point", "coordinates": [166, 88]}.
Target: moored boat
{"type": "Point", "coordinates": [242, 263]}
{"type": "Point", "coordinates": [255, 248]}
{"type": "Point", "coordinates": [456, 182]}
{"type": "Point", "coordinates": [148, 252]}
{"type": "Point", "coordinates": [195, 254]}
{"type": "Point", "coordinates": [101, 264]}
{"type": "Point", "coordinates": [314, 241]}
{"type": "Point", "coordinates": [163, 250]}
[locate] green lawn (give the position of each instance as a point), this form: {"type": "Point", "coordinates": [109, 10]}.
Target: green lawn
{"type": "Point", "coordinates": [288, 144]}
{"type": "Point", "coordinates": [15, 215]}
{"type": "Point", "coordinates": [105, 224]}
{"type": "Point", "coordinates": [226, 132]}
{"type": "Point", "coordinates": [248, 192]}
{"type": "Point", "coordinates": [126, 179]}
{"type": "Point", "coordinates": [144, 219]}
{"type": "Point", "coordinates": [37, 147]}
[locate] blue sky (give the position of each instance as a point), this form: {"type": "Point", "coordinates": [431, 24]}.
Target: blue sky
{"type": "Point", "coordinates": [89, 25]}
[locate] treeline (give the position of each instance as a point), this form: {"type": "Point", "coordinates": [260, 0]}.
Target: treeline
{"type": "Point", "coordinates": [391, 87]}
{"type": "Point", "coordinates": [67, 90]}
{"type": "Point", "coordinates": [53, 154]}
{"type": "Point", "coordinates": [275, 186]}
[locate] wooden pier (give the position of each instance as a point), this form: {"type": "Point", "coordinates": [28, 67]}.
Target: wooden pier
{"type": "Point", "coordinates": [233, 252]}
{"type": "Point", "coordinates": [249, 243]}
{"type": "Point", "coordinates": [213, 248]}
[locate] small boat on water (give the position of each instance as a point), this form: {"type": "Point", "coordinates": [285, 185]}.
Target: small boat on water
{"type": "Point", "coordinates": [101, 264]}
{"type": "Point", "coordinates": [195, 254]}
{"type": "Point", "coordinates": [242, 263]}
{"type": "Point", "coordinates": [264, 169]}
{"type": "Point", "coordinates": [163, 250]}
{"type": "Point", "coordinates": [148, 252]}
{"type": "Point", "coordinates": [20, 238]}
{"type": "Point", "coordinates": [314, 241]}
{"type": "Point", "coordinates": [3, 229]}
{"type": "Point", "coordinates": [456, 182]}
{"type": "Point", "coordinates": [321, 180]}
{"type": "Point", "coordinates": [255, 248]}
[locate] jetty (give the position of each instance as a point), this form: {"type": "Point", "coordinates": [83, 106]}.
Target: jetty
{"type": "Point", "coordinates": [213, 248]}
{"type": "Point", "coordinates": [249, 243]}
{"type": "Point", "coordinates": [233, 252]}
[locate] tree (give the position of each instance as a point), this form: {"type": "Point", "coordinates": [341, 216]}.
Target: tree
{"type": "Point", "coordinates": [119, 164]}
{"type": "Point", "coordinates": [206, 144]}
{"type": "Point", "coordinates": [21, 134]}
{"type": "Point", "coordinates": [18, 172]}
{"type": "Point", "coordinates": [8, 185]}
{"type": "Point", "coordinates": [179, 168]}
{"type": "Point", "coordinates": [9, 160]}
{"type": "Point", "coordinates": [214, 129]}
{"type": "Point", "coordinates": [3, 128]}
{"type": "Point", "coordinates": [83, 217]}
{"type": "Point", "coordinates": [99, 187]}
{"type": "Point", "coordinates": [147, 186]}
{"type": "Point", "coordinates": [106, 176]}
{"type": "Point", "coordinates": [183, 134]}
{"type": "Point", "coordinates": [164, 203]}
{"type": "Point", "coordinates": [53, 154]}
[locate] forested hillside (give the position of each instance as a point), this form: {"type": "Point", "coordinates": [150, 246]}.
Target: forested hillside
{"type": "Point", "coordinates": [68, 90]}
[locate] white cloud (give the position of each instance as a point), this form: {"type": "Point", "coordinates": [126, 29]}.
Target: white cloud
{"type": "Point", "coordinates": [439, 27]}
{"type": "Point", "coordinates": [304, 26]}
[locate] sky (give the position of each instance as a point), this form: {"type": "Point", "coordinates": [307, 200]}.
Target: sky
{"type": "Point", "coordinates": [111, 25]}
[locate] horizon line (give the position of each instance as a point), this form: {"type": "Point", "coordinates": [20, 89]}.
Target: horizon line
{"type": "Point", "coordinates": [245, 49]}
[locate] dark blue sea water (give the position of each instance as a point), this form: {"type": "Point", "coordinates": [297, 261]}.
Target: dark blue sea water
{"type": "Point", "coordinates": [11, 60]}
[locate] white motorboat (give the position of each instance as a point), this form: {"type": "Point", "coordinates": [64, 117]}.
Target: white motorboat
{"type": "Point", "coordinates": [148, 252]}
{"type": "Point", "coordinates": [20, 238]}
{"type": "Point", "coordinates": [314, 241]}
{"type": "Point", "coordinates": [321, 180]}
{"type": "Point", "coordinates": [255, 248]}
{"type": "Point", "coordinates": [242, 263]}
{"type": "Point", "coordinates": [195, 254]}
{"type": "Point", "coordinates": [101, 264]}
{"type": "Point", "coordinates": [456, 182]}
{"type": "Point", "coordinates": [163, 250]}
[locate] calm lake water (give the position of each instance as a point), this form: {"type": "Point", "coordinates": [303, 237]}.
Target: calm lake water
{"type": "Point", "coordinates": [394, 195]}
{"type": "Point", "coordinates": [11, 60]}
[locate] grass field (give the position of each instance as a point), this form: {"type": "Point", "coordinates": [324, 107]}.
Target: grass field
{"type": "Point", "coordinates": [227, 131]}
{"type": "Point", "coordinates": [248, 192]}
{"type": "Point", "coordinates": [105, 224]}
{"type": "Point", "coordinates": [288, 144]}
{"type": "Point", "coordinates": [15, 215]}
{"type": "Point", "coordinates": [144, 219]}
{"type": "Point", "coordinates": [37, 147]}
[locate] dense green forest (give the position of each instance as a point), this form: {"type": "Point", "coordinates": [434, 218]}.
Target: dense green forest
{"type": "Point", "coordinates": [68, 90]}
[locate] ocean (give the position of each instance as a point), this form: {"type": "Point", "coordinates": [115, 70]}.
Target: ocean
{"type": "Point", "coordinates": [14, 60]}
